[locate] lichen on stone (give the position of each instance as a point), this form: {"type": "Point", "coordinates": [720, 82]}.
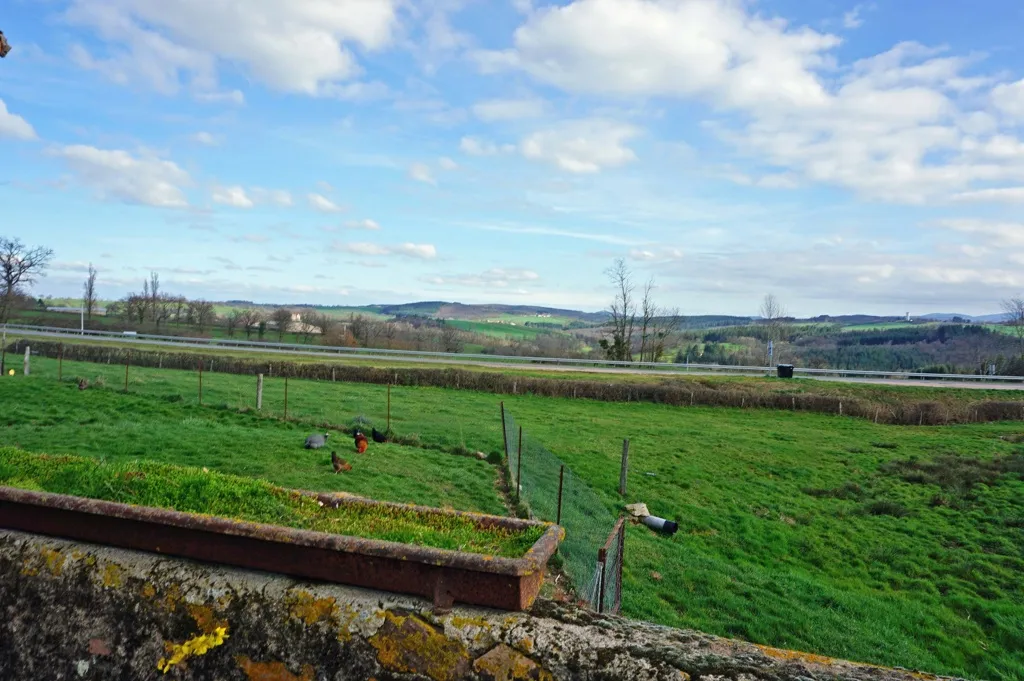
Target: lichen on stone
{"type": "Point", "coordinates": [408, 644]}
{"type": "Point", "coordinates": [198, 645]}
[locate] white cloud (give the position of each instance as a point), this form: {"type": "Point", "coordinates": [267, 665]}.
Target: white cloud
{"type": "Point", "coordinates": [1009, 99]}
{"type": "Point", "coordinates": [14, 126]}
{"type": "Point", "coordinates": [323, 204]}
{"type": "Point", "coordinates": [232, 196]}
{"type": "Point", "coordinates": [205, 138]}
{"type": "Point", "coordinates": [362, 224]}
{"type": "Point", "coordinates": [409, 250]}
{"type": "Point", "coordinates": [421, 173]}
{"type": "Point", "coordinates": [277, 197]}
{"type": "Point", "coordinates": [710, 48]}
{"type": "Point", "coordinates": [116, 174]}
{"type": "Point", "coordinates": [999, 194]}
{"type": "Point", "coordinates": [231, 97]}
{"type": "Point", "coordinates": [656, 254]}
{"type": "Point", "coordinates": [897, 126]}
{"type": "Point", "coordinates": [474, 146]}
{"type": "Point", "coordinates": [853, 19]}
{"type": "Point", "coordinates": [581, 146]}
{"type": "Point", "coordinates": [296, 46]}
{"type": "Point", "coordinates": [497, 278]}
{"type": "Point", "coordinates": [994, 233]}
{"type": "Point", "coordinates": [445, 163]}
{"type": "Point", "coordinates": [508, 109]}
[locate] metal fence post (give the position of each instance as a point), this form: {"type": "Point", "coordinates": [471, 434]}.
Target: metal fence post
{"type": "Point", "coordinates": [561, 477]}
{"type": "Point", "coordinates": [621, 565]}
{"type": "Point", "coordinates": [625, 467]}
{"type": "Point", "coordinates": [504, 430]}
{"type": "Point", "coordinates": [519, 467]}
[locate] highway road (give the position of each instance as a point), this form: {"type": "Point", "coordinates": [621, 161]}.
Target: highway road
{"type": "Point", "coordinates": [521, 365]}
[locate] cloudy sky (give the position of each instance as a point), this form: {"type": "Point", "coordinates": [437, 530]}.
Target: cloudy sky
{"type": "Point", "coordinates": [849, 157]}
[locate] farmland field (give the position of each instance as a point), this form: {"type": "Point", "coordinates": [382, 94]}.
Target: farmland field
{"type": "Point", "coordinates": [885, 544]}
{"type": "Point", "coordinates": [495, 329]}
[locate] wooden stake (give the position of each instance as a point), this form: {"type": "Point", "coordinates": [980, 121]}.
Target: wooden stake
{"type": "Point", "coordinates": [625, 467]}
{"type": "Point", "coordinates": [389, 408]}
{"type": "Point", "coordinates": [259, 392]}
{"type": "Point", "coordinates": [28, 354]}
{"type": "Point", "coordinates": [286, 398]}
{"type": "Point", "coordinates": [127, 362]}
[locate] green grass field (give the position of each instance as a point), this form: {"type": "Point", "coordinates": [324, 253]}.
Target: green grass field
{"type": "Point", "coordinates": [496, 330]}
{"type": "Point", "coordinates": [886, 325]}
{"type": "Point", "coordinates": [201, 491]}
{"type": "Point", "coordinates": [892, 545]}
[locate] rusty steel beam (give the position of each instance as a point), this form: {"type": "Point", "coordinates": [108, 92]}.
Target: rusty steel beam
{"type": "Point", "coordinates": [444, 576]}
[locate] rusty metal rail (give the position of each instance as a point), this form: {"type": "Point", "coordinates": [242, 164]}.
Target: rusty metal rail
{"type": "Point", "coordinates": [441, 575]}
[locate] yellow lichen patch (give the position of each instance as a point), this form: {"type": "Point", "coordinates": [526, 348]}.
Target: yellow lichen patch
{"type": "Point", "coordinates": [54, 561]}
{"type": "Point", "coordinates": [113, 575]}
{"type": "Point", "coordinates": [148, 590]}
{"type": "Point", "coordinates": [684, 676]}
{"type": "Point", "coordinates": [345, 626]}
{"type": "Point", "coordinates": [272, 671]}
{"type": "Point", "coordinates": [505, 664]}
{"type": "Point", "coordinates": [304, 606]}
{"type": "Point", "coordinates": [198, 645]}
{"type": "Point", "coordinates": [171, 599]}
{"type": "Point", "coordinates": [526, 644]}
{"type": "Point", "coordinates": [410, 645]}
{"type": "Point", "coordinates": [795, 656]}
{"type": "Point", "coordinates": [205, 618]}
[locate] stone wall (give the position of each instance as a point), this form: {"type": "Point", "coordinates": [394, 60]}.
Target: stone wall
{"type": "Point", "coordinates": [79, 611]}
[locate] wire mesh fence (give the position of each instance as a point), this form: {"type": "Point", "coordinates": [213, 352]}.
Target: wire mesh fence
{"type": "Point", "coordinates": [551, 491]}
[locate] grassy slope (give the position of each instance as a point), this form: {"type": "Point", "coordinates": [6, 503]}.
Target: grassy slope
{"type": "Point", "coordinates": [198, 490]}
{"type": "Point", "coordinates": [496, 330]}
{"type": "Point", "coordinates": [757, 556]}
{"type": "Point", "coordinates": [59, 419]}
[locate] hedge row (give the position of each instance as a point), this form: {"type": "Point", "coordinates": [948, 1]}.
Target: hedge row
{"type": "Point", "coordinates": [678, 393]}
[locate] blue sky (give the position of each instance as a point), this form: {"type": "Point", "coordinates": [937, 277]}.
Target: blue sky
{"type": "Point", "coordinates": [847, 157]}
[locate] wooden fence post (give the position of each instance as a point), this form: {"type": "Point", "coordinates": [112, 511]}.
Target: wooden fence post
{"type": "Point", "coordinates": [602, 558]}
{"type": "Point", "coordinates": [259, 392]}
{"type": "Point", "coordinates": [127, 362]}
{"type": "Point", "coordinates": [286, 398]}
{"type": "Point", "coordinates": [625, 467]}
{"type": "Point", "coordinates": [28, 354]}
{"type": "Point", "coordinates": [389, 409]}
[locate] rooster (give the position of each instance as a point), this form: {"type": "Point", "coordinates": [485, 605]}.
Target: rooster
{"type": "Point", "coordinates": [361, 443]}
{"type": "Point", "coordinates": [378, 436]}
{"type": "Point", "coordinates": [339, 463]}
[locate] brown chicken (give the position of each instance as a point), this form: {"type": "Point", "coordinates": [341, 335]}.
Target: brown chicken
{"type": "Point", "coordinates": [340, 464]}
{"type": "Point", "coordinates": [361, 443]}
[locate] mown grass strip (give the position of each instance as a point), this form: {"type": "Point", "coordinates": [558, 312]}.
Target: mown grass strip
{"type": "Point", "coordinates": [196, 490]}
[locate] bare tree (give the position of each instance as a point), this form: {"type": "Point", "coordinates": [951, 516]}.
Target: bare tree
{"type": "Point", "coordinates": [648, 311]}
{"type": "Point", "coordinates": [89, 293]}
{"type": "Point", "coordinates": [390, 332]}
{"type": "Point", "coordinates": [248, 318]}
{"type": "Point", "coordinates": [623, 313]}
{"type": "Point", "coordinates": [19, 267]}
{"type": "Point", "coordinates": [772, 314]}
{"type": "Point", "coordinates": [321, 321]}
{"type": "Point", "coordinates": [231, 322]}
{"type": "Point", "coordinates": [154, 297]}
{"type": "Point", "coordinates": [661, 333]}
{"type": "Point", "coordinates": [451, 340]}
{"type": "Point", "coordinates": [282, 318]}
{"type": "Point", "coordinates": [200, 313]}
{"type": "Point", "coordinates": [1014, 309]}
